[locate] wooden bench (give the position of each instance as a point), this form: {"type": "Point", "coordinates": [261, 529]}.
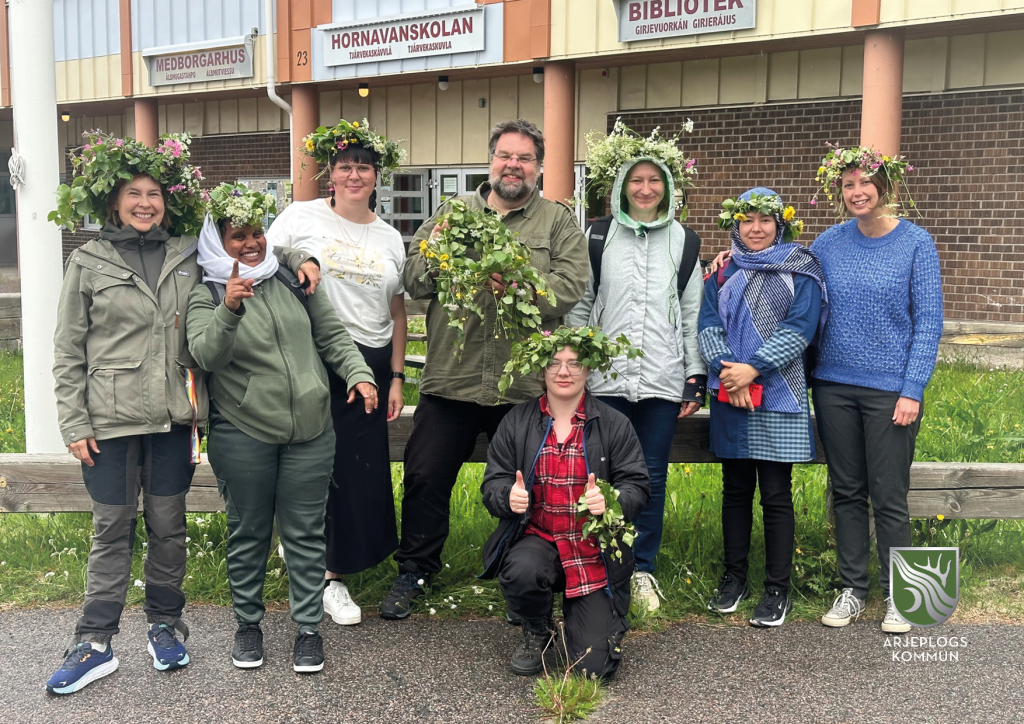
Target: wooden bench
{"type": "Point", "coordinates": [43, 483]}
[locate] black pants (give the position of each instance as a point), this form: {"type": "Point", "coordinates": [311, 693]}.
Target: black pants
{"type": "Point", "coordinates": [531, 575]}
{"type": "Point", "coordinates": [739, 478]}
{"type": "Point", "coordinates": [868, 456]}
{"type": "Point", "coordinates": [159, 466]}
{"type": "Point", "coordinates": [443, 436]}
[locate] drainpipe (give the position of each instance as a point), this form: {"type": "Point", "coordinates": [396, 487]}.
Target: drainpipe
{"type": "Point", "coordinates": [271, 59]}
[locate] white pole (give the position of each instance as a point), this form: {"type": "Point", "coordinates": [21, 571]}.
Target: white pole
{"type": "Point", "coordinates": [34, 96]}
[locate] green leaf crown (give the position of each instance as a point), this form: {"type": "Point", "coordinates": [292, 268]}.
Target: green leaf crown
{"type": "Point", "coordinates": [325, 143]}
{"type": "Point", "coordinates": [893, 168]}
{"type": "Point", "coordinates": [240, 205]}
{"type": "Point", "coordinates": [736, 210]}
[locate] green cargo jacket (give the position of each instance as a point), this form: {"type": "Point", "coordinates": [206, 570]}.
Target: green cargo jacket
{"type": "Point", "coordinates": [558, 249]}
{"type": "Point", "coordinates": [120, 350]}
{"type": "Point", "coordinates": [267, 377]}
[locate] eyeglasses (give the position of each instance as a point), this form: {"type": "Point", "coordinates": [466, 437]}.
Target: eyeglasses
{"type": "Point", "coordinates": [362, 169]}
{"type": "Point", "coordinates": [506, 157]}
{"type": "Point", "coordinates": [574, 367]}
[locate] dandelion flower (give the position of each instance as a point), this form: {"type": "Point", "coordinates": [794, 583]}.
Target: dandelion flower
{"type": "Point", "coordinates": [739, 217]}
{"type": "Point", "coordinates": [940, 516]}
{"type": "Point", "coordinates": [788, 214]}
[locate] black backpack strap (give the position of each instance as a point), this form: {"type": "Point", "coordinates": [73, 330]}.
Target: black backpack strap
{"type": "Point", "coordinates": [595, 243]}
{"type": "Point", "coordinates": [691, 253]}
{"type": "Point", "coordinates": [215, 292]}
{"type": "Point", "coordinates": [286, 277]}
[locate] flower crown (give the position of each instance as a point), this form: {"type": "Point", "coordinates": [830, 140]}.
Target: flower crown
{"type": "Point", "coordinates": [736, 210]}
{"type": "Point", "coordinates": [105, 160]}
{"type": "Point", "coordinates": [596, 350]}
{"type": "Point", "coordinates": [240, 205]}
{"type": "Point", "coordinates": [837, 160]}
{"type": "Point", "coordinates": [324, 143]}
{"type": "Point", "coordinates": [606, 154]}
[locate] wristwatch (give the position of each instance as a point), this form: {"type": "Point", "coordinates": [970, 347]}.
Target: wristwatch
{"type": "Point", "coordinates": [398, 376]}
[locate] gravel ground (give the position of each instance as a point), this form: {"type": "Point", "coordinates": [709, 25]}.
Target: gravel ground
{"type": "Point", "coordinates": [424, 670]}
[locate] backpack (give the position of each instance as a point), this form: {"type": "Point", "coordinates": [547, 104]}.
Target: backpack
{"type": "Point", "coordinates": [283, 275]}
{"type": "Point", "coordinates": [599, 232]}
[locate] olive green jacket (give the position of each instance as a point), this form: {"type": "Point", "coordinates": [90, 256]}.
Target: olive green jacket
{"type": "Point", "coordinates": [558, 250]}
{"type": "Point", "coordinates": [267, 377]}
{"type": "Point", "coordinates": [120, 351]}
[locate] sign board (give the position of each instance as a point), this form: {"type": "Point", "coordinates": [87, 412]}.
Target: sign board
{"type": "Point", "coordinates": [199, 62]}
{"type": "Point", "coordinates": [412, 35]}
{"type": "Point", "coordinates": [646, 19]}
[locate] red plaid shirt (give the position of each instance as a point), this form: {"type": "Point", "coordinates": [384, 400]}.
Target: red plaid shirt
{"type": "Point", "coordinates": [560, 478]}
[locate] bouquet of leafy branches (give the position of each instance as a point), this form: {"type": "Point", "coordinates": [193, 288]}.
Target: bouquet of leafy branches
{"type": "Point", "coordinates": [609, 527]}
{"type": "Point", "coordinates": [472, 245]}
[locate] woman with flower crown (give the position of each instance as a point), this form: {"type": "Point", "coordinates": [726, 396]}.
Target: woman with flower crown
{"type": "Point", "coordinates": [130, 397]}
{"type": "Point", "coordinates": [363, 259]}
{"type": "Point", "coordinates": [760, 313]}
{"type": "Point", "coordinates": [644, 292]}
{"type": "Point", "coordinates": [271, 445]}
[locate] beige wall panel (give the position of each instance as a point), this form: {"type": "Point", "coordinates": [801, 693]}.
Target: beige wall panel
{"type": "Point", "coordinates": [597, 98]}
{"type": "Point", "coordinates": [559, 29]}
{"type": "Point", "coordinates": [87, 78]}
{"type": "Point", "coordinates": [819, 73]}
{"type": "Point", "coordinates": [917, 65]}
{"type": "Point", "coordinates": [353, 107]}
{"type": "Point", "coordinates": [828, 14]}
{"type": "Point", "coordinates": [268, 116]}
{"type": "Point", "coordinates": [738, 80]}
{"type": "Point", "coordinates": [114, 74]}
{"type": "Point", "coordinates": [139, 82]}
{"type": "Point", "coordinates": [449, 125]}
{"type": "Point", "coordinates": [378, 115]}
{"type": "Point", "coordinates": [399, 121]}
{"type": "Point", "coordinates": [531, 100]}
{"type": "Point", "coordinates": [73, 70]}
{"type": "Point", "coordinates": [608, 29]}
{"type": "Point", "coordinates": [115, 124]}
{"type": "Point", "coordinates": [581, 26]}
{"type": "Point", "coordinates": [229, 116]}
{"type": "Point", "coordinates": [940, 64]}
{"type": "Point", "coordinates": [129, 123]}
{"type": "Point", "coordinates": [783, 75]}
{"type": "Point", "coordinates": [967, 61]}
{"type": "Point", "coordinates": [175, 117]}
{"type": "Point", "coordinates": [161, 119]}
{"type": "Point", "coordinates": [1004, 58]}
{"type": "Point", "coordinates": [852, 81]}
{"type": "Point", "coordinates": [700, 83]}
{"type": "Point", "coordinates": [966, 7]}
{"type": "Point", "coordinates": [211, 118]}
{"type": "Point", "coordinates": [248, 121]}
{"type": "Point", "coordinates": [917, 9]}
{"type": "Point", "coordinates": [664, 85]}
{"type": "Point", "coordinates": [330, 108]}
{"type": "Point", "coordinates": [632, 87]}
{"type": "Point", "coordinates": [793, 16]}
{"type": "Point", "coordinates": [423, 110]}
{"type": "Point", "coordinates": [475, 121]}
{"type": "Point", "coordinates": [60, 76]}
{"type": "Point", "coordinates": [504, 101]}
{"type": "Point", "coordinates": [194, 119]}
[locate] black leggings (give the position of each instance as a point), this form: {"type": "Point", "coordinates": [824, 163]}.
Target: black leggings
{"type": "Point", "coordinates": [739, 478]}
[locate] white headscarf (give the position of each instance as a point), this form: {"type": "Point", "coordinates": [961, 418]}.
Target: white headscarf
{"type": "Point", "coordinates": [217, 263]}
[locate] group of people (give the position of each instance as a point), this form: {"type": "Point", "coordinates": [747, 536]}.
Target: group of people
{"type": "Point", "coordinates": [289, 341]}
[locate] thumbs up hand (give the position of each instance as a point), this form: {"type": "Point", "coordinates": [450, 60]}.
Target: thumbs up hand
{"type": "Point", "coordinates": [236, 289]}
{"type": "Point", "coordinates": [518, 498]}
{"type": "Point", "coordinates": [595, 499]}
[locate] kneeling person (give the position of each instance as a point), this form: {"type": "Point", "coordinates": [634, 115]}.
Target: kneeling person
{"type": "Point", "coordinates": [545, 455]}
{"type": "Point", "coordinates": [271, 441]}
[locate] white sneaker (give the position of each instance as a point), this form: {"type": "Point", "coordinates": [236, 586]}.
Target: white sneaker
{"type": "Point", "coordinates": [893, 622]}
{"type": "Point", "coordinates": [846, 607]}
{"type": "Point", "coordinates": [646, 590]}
{"type": "Point", "coordinates": [338, 604]}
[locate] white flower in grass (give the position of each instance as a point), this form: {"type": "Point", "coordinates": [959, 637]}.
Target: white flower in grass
{"type": "Point", "coordinates": [187, 539]}
{"type": "Point", "coordinates": [3, 563]}
{"type": "Point", "coordinates": [490, 607]}
{"type": "Point", "coordinates": [139, 584]}
{"type": "Point", "coordinates": [145, 545]}
{"type": "Point", "coordinates": [477, 590]}
{"type": "Point", "coordinates": [48, 575]}
{"type": "Point", "coordinates": [433, 611]}
{"type": "Point", "coordinates": [200, 554]}
{"type": "Point", "coordinates": [419, 582]}
{"type": "Point", "coordinates": [65, 574]}
{"type": "Point", "coordinates": [453, 606]}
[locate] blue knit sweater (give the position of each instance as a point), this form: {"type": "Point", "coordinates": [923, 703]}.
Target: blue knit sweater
{"type": "Point", "coordinates": [885, 315]}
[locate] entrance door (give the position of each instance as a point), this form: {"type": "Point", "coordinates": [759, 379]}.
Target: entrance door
{"type": "Point", "coordinates": [404, 204]}
{"type": "Point", "coordinates": [451, 182]}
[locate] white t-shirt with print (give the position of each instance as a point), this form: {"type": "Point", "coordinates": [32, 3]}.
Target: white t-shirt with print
{"type": "Point", "coordinates": [361, 264]}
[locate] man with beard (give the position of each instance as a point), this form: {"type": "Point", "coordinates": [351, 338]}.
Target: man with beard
{"type": "Point", "coordinates": [459, 399]}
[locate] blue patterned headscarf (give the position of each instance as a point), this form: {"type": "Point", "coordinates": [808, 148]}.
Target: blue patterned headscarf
{"type": "Point", "coordinates": [755, 299]}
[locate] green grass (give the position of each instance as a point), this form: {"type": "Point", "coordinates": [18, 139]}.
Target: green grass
{"type": "Point", "coordinates": [43, 556]}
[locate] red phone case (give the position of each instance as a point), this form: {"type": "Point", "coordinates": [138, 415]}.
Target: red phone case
{"type": "Point", "coordinates": [755, 394]}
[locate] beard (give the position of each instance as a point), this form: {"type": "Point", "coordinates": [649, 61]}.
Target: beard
{"type": "Point", "coordinates": [512, 191]}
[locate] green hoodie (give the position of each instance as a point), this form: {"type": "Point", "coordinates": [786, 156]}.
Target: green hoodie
{"type": "Point", "coordinates": [267, 377]}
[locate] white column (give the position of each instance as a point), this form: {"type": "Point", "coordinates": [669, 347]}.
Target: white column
{"type": "Point", "coordinates": [34, 97]}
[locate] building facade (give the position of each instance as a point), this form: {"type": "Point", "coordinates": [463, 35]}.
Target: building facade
{"type": "Point", "coordinates": [766, 83]}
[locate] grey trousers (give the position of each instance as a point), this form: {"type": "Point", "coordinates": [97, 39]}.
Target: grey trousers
{"type": "Point", "coordinates": [159, 467]}
{"type": "Point", "coordinates": [868, 456]}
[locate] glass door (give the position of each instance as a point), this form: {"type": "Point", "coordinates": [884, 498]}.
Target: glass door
{"type": "Point", "coordinates": [404, 203]}
{"type": "Point", "coordinates": [451, 182]}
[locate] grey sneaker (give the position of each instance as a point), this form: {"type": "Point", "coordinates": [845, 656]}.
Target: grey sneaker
{"type": "Point", "coordinates": [893, 622]}
{"type": "Point", "coordinates": [646, 590]}
{"type": "Point", "coordinates": [846, 608]}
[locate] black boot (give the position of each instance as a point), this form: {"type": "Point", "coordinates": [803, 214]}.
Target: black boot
{"type": "Point", "coordinates": [528, 659]}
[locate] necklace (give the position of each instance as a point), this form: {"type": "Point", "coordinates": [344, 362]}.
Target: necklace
{"type": "Point", "coordinates": [358, 243]}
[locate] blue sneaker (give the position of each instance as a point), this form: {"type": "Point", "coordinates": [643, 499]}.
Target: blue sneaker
{"type": "Point", "coordinates": [82, 666]}
{"type": "Point", "coordinates": [168, 653]}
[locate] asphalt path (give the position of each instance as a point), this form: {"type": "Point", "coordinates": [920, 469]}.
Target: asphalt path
{"type": "Point", "coordinates": [426, 670]}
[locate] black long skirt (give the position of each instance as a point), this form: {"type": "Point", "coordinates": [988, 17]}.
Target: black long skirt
{"type": "Point", "coordinates": [361, 527]}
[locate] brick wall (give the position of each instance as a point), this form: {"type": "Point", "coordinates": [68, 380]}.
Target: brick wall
{"type": "Point", "coordinates": [968, 182]}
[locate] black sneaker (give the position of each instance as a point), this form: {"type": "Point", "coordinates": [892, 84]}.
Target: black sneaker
{"type": "Point", "coordinates": [728, 595]}
{"type": "Point", "coordinates": [398, 604]}
{"type": "Point", "coordinates": [308, 655]}
{"type": "Point", "coordinates": [248, 651]}
{"type": "Point", "coordinates": [512, 619]}
{"type": "Point", "coordinates": [528, 658]}
{"type": "Point", "coordinates": [772, 609]}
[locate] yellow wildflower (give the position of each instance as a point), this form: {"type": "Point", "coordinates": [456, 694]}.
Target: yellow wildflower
{"type": "Point", "coordinates": [687, 581]}
{"type": "Point", "coordinates": [444, 266]}
{"type": "Point", "coordinates": [821, 169]}
{"type": "Point", "coordinates": [542, 293]}
{"type": "Point", "coordinates": [309, 144]}
{"type": "Point", "coordinates": [591, 334]}
{"type": "Point", "coordinates": [444, 257]}
{"type": "Point", "coordinates": [799, 226]}
{"type": "Point", "coordinates": [355, 124]}
{"type": "Point", "coordinates": [739, 217]}
{"type": "Point", "coordinates": [940, 516]}
{"type": "Point", "coordinates": [788, 214]}
{"type": "Point", "coordinates": [830, 197]}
